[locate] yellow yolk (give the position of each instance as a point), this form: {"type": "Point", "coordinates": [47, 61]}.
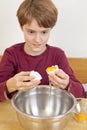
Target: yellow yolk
{"type": "Point", "coordinates": [50, 69]}
{"type": "Point", "coordinates": [81, 116]}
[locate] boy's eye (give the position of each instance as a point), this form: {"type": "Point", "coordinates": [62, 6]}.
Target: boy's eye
{"type": "Point", "coordinates": [44, 32]}
{"type": "Point", "coordinates": [31, 31]}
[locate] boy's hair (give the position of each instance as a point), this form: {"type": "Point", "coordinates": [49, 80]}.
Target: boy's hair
{"type": "Point", "coordinates": [43, 11]}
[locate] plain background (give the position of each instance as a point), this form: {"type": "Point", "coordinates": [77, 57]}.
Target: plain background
{"type": "Point", "coordinates": [70, 32]}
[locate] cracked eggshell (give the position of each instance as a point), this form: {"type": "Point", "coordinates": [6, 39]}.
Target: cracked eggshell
{"type": "Point", "coordinates": [36, 75]}
{"type": "Point", "coordinates": [52, 69]}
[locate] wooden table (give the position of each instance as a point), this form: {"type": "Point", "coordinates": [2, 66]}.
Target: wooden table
{"type": "Point", "coordinates": [8, 118]}
{"type": "Point", "coordinates": [74, 124]}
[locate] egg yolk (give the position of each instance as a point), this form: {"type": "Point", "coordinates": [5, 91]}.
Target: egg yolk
{"type": "Point", "coordinates": [50, 69]}
{"type": "Point", "coordinates": [81, 116]}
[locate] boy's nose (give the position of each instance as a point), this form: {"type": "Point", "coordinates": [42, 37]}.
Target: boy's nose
{"type": "Point", "coordinates": [38, 38]}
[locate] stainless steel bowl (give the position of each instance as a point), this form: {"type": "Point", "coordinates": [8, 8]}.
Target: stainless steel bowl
{"type": "Point", "coordinates": [42, 109]}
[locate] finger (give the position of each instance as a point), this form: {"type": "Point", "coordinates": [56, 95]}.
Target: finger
{"type": "Point", "coordinates": [56, 81]}
{"type": "Point", "coordinates": [24, 85]}
{"type": "Point", "coordinates": [24, 73]}
{"type": "Point", "coordinates": [61, 74]}
{"type": "Point", "coordinates": [24, 77]}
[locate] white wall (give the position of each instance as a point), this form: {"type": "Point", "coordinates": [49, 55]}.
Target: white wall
{"type": "Point", "coordinates": [70, 32]}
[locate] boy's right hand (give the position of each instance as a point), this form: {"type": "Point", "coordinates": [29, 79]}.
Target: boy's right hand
{"type": "Point", "coordinates": [21, 81]}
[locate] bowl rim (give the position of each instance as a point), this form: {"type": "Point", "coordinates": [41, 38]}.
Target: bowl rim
{"type": "Point", "coordinates": [47, 117]}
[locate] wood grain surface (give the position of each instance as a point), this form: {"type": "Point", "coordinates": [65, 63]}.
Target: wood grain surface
{"type": "Point", "coordinates": [9, 121]}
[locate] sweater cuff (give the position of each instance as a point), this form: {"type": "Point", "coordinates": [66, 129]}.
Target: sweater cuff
{"type": "Point", "coordinates": [4, 94]}
{"type": "Point", "coordinates": [3, 91]}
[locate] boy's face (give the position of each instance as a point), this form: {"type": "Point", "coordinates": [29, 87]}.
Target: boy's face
{"type": "Point", "coordinates": [36, 38]}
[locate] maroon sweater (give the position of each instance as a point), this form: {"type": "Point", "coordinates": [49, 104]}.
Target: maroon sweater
{"type": "Point", "coordinates": [16, 60]}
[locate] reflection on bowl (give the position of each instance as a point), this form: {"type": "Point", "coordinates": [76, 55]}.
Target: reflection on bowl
{"type": "Point", "coordinates": [38, 109]}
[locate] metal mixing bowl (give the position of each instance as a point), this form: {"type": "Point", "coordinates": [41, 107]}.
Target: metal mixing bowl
{"type": "Point", "coordinates": [42, 109]}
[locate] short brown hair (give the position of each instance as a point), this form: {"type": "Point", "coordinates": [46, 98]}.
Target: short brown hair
{"type": "Point", "coordinates": [43, 11]}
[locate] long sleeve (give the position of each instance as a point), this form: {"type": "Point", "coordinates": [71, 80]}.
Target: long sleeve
{"type": "Point", "coordinates": [3, 94]}
{"type": "Point", "coordinates": [76, 89]}
{"type": "Point", "coordinates": [16, 60]}
{"type": "Point", "coordinates": [6, 71]}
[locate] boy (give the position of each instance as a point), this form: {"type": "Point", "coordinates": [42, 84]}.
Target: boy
{"type": "Point", "coordinates": [36, 19]}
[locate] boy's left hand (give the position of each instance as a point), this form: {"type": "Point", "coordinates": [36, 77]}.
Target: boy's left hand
{"type": "Point", "coordinates": [59, 79]}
